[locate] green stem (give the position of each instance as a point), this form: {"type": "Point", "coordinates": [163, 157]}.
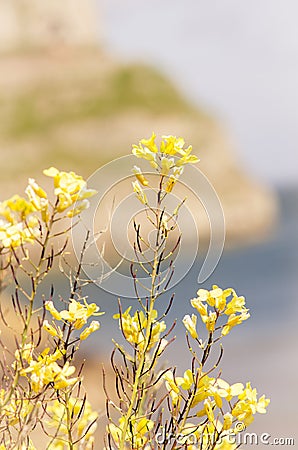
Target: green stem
{"type": "Point", "coordinates": [35, 281]}
{"type": "Point", "coordinates": [68, 422]}
{"type": "Point", "coordinates": [142, 359]}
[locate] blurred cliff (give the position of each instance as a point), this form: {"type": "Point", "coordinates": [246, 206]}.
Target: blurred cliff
{"type": "Point", "coordinates": [64, 102]}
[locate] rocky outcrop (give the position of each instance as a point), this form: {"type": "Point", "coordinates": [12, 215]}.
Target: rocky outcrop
{"type": "Point", "coordinates": [78, 109]}
{"type": "Point", "coordinates": [27, 24]}
{"type": "Point", "coordinates": [72, 106]}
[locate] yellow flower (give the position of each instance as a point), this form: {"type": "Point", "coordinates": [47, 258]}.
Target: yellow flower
{"type": "Point", "coordinates": [49, 305]}
{"type": "Point", "coordinates": [222, 389]}
{"type": "Point", "coordinates": [139, 175]}
{"type": "Point", "coordinates": [217, 298]}
{"type": "Point", "coordinates": [94, 326]}
{"type": "Point", "coordinates": [133, 328]}
{"type": "Point", "coordinates": [166, 165]}
{"type": "Point", "coordinates": [172, 386]}
{"type": "Point", "coordinates": [234, 320]}
{"type": "Point", "coordinates": [18, 224]}
{"type": "Point", "coordinates": [200, 307]}
{"type": "Point", "coordinates": [141, 196]}
{"type": "Point", "coordinates": [228, 421]}
{"type": "Point", "coordinates": [150, 143]}
{"type": "Point", "coordinates": [46, 370]}
{"type": "Point", "coordinates": [248, 405]}
{"type": "Point", "coordinates": [136, 433]}
{"type": "Point", "coordinates": [170, 145]}
{"type": "Point", "coordinates": [190, 324]}
{"type": "Point", "coordinates": [38, 198]}
{"type": "Point", "coordinates": [52, 330]}
{"type": "Point", "coordinates": [158, 157]}
{"type": "Point", "coordinates": [24, 353]}
{"type": "Point", "coordinates": [204, 389]}
{"type": "Point", "coordinates": [171, 183]}
{"type": "Point", "coordinates": [17, 409]}
{"type": "Point", "coordinates": [237, 304]}
{"type": "Point", "coordinates": [209, 410]}
{"type": "Point", "coordinates": [146, 149]}
{"type": "Point", "coordinates": [71, 190]}
{"type": "Point", "coordinates": [78, 313]}
{"type": "Point", "coordinates": [210, 321]}
{"type": "Point", "coordinates": [187, 158]}
{"type": "Point", "coordinates": [186, 381]}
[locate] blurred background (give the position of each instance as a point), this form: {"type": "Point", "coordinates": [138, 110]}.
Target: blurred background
{"type": "Point", "coordinates": [81, 81]}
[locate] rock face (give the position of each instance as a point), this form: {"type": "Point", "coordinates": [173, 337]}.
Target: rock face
{"type": "Point", "coordinates": [39, 23]}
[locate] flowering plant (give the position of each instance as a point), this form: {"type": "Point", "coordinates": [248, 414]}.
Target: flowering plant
{"type": "Point", "coordinates": [198, 410]}
{"type": "Point", "coordinates": [41, 387]}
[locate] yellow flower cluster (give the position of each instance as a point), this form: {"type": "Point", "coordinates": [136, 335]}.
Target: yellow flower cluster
{"type": "Point", "coordinates": [168, 159]}
{"type": "Point", "coordinates": [18, 224]}
{"type": "Point", "coordinates": [85, 423]}
{"type": "Point", "coordinates": [210, 392]}
{"type": "Point", "coordinates": [222, 303]}
{"type": "Point", "coordinates": [136, 435]}
{"type": "Point", "coordinates": [133, 328]}
{"type": "Point", "coordinates": [169, 146]}
{"type": "Point", "coordinates": [77, 314]}
{"type": "Point", "coordinates": [45, 370]}
{"type": "Point", "coordinates": [248, 405]}
{"type": "Point", "coordinates": [38, 198]}
{"type": "Point", "coordinates": [71, 190]}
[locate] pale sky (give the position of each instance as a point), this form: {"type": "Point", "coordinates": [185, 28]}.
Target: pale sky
{"type": "Point", "coordinates": [239, 59]}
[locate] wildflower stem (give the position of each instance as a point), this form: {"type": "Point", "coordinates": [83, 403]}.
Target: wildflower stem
{"type": "Point", "coordinates": [148, 334]}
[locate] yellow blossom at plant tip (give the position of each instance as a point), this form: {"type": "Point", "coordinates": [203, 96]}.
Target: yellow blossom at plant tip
{"type": "Point", "coordinates": [150, 143]}
{"type": "Point", "coordinates": [49, 305]}
{"type": "Point", "coordinates": [94, 326]}
{"type": "Point", "coordinates": [170, 145]}
{"type": "Point", "coordinates": [71, 190]}
{"type": "Point", "coordinates": [187, 158]}
{"type": "Point", "coordinates": [190, 324]}
{"type": "Point", "coordinates": [18, 223]}
{"type": "Point", "coordinates": [236, 305]}
{"type": "Point", "coordinates": [38, 198]}
{"type": "Point", "coordinates": [248, 405]}
{"type": "Point", "coordinates": [234, 320]}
